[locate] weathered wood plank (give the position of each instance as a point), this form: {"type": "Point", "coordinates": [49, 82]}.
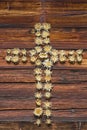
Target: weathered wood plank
{"type": "Point", "coordinates": [9, 126]}
{"type": "Point", "coordinates": [21, 0]}
{"type": "Point", "coordinates": [29, 104]}
{"type": "Point", "coordinates": [60, 115]}
{"type": "Point", "coordinates": [58, 76]}
{"type": "Point", "coordinates": [33, 6]}
{"type": "Point", "coordinates": [84, 126]}
{"type": "Point", "coordinates": [12, 14]}
{"type": "Point", "coordinates": [60, 91]}
{"type": "Point", "coordinates": [16, 12]}
{"type": "Point", "coordinates": [50, 7]}
{"type": "Point", "coordinates": [67, 21]}
{"type": "Point", "coordinates": [29, 21]}
{"type": "Point", "coordinates": [63, 1]}
{"type": "Point", "coordinates": [28, 125]}
{"type": "Point", "coordinates": [21, 21]}
{"type": "Point", "coordinates": [68, 1]}
{"type": "Point", "coordinates": [67, 38]}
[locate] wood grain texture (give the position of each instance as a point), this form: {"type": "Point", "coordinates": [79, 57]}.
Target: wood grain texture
{"type": "Point", "coordinates": [77, 115]}
{"type": "Point", "coordinates": [55, 126]}
{"type": "Point", "coordinates": [29, 21]}
{"type": "Point", "coordinates": [58, 76]}
{"type": "Point", "coordinates": [20, 90]}
{"type": "Point", "coordinates": [25, 104]}
{"type": "Point", "coordinates": [62, 38]}
{"type": "Point", "coordinates": [65, 15]}
{"type": "Point", "coordinates": [64, 96]}
{"type": "Point", "coordinates": [27, 126]}
{"type": "Point", "coordinates": [17, 82]}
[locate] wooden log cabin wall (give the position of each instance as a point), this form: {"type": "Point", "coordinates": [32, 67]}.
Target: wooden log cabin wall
{"type": "Point", "coordinates": [17, 83]}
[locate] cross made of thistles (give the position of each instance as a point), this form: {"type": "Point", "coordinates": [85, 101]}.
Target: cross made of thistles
{"type": "Point", "coordinates": [44, 57]}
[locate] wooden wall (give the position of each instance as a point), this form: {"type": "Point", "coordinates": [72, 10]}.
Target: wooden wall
{"type": "Point", "coordinates": [69, 31]}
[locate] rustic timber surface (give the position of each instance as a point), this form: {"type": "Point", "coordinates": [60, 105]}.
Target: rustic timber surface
{"type": "Point", "coordinates": [69, 31]}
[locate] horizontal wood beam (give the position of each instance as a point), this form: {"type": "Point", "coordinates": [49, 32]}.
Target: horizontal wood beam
{"type": "Point", "coordinates": [61, 115]}
{"type": "Point", "coordinates": [62, 38]}
{"type": "Point", "coordinates": [60, 91]}
{"type": "Point", "coordinates": [29, 104]}
{"type": "Point", "coordinates": [58, 76]}
{"type": "Point", "coordinates": [21, 8]}
{"type": "Point", "coordinates": [28, 125]}
{"type": "Point", "coordinates": [79, 20]}
{"type": "Point", "coordinates": [70, 1]}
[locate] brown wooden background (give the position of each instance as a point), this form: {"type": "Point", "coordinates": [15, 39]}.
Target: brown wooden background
{"type": "Point", "coordinates": [69, 31]}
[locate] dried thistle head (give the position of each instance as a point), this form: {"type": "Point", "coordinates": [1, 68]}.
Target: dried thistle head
{"type": "Point", "coordinates": [43, 55]}
{"type": "Point", "coordinates": [46, 26]}
{"type": "Point", "coordinates": [45, 34]}
{"type": "Point", "coordinates": [38, 49]}
{"type": "Point", "coordinates": [46, 40]}
{"type": "Point", "coordinates": [39, 41]}
{"type": "Point", "coordinates": [47, 95]}
{"type": "Point", "coordinates": [48, 78]}
{"type": "Point", "coordinates": [32, 52]}
{"type": "Point", "coordinates": [48, 86]}
{"type": "Point", "coordinates": [38, 95]}
{"type": "Point", "coordinates": [38, 26]}
{"type": "Point", "coordinates": [33, 59]}
{"type": "Point", "coordinates": [47, 63]}
{"type": "Point", "coordinates": [48, 112]}
{"type": "Point", "coordinates": [54, 52]}
{"type": "Point", "coordinates": [38, 122]}
{"type": "Point", "coordinates": [38, 111]}
{"type": "Point", "coordinates": [38, 77]}
{"type": "Point", "coordinates": [47, 48]}
{"type": "Point", "coordinates": [79, 51]}
{"type": "Point", "coordinates": [48, 121]}
{"type": "Point", "coordinates": [15, 51]}
{"type": "Point", "coordinates": [37, 71]}
{"type": "Point", "coordinates": [38, 62]}
{"type": "Point", "coordinates": [38, 102]}
{"type": "Point", "coordinates": [54, 59]}
{"type": "Point", "coordinates": [48, 72]}
{"type": "Point", "coordinates": [39, 85]}
{"type": "Point", "coordinates": [47, 105]}
{"type": "Point", "coordinates": [79, 58]}
{"type": "Point", "coordinates": [15, 59]}
{"type": "Point", "coordinates": [8, 58]}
